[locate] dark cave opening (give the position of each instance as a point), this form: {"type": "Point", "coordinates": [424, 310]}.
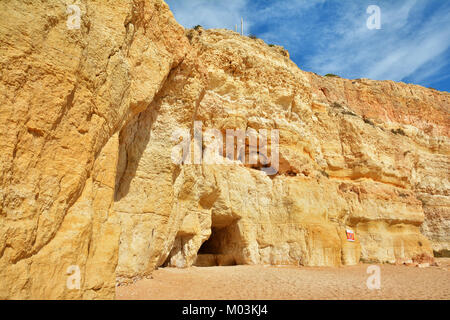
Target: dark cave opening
{"type": "Point", "coordinates": [212, 245]}
{"type": "Point", "coordinates": [215, 250]}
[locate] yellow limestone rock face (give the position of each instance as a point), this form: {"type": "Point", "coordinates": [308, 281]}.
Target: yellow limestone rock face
{"type": "Point", "coordinates": [90, 194]}
{"type": "Point", "coordinates": [339, 169]}
{"type": "Point", "coordinates": [418, 150]}
{"type": "Point", "coordinates": [65, 94]}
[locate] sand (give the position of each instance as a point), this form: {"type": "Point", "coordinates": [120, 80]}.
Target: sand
{"type": "Point", "coordinates": [293, 283]}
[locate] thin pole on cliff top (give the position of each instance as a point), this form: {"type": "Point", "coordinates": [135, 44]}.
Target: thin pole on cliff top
{"type": "Point", "coordinates": [242, 26]}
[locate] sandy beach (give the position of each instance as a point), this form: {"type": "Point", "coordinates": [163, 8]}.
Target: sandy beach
{"type": "Point", "coordinates": [293, 283]}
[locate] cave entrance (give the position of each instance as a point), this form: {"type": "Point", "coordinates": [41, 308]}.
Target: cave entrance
{"type": "Point", "coordinates": [212, 245]}
{"type": "Point", "coordinates": [216, 251]}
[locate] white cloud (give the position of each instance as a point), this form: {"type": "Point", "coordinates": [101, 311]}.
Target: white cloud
{"type": "Point", "coordinates": [406, 56]}
{"type": "Point", "coordinates": [396, 52]}
{"type": "Point", "coordinates": [431, 72]}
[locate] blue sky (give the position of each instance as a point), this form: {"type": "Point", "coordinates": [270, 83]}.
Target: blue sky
{"type": "Point", "coordinates": [331, 36]}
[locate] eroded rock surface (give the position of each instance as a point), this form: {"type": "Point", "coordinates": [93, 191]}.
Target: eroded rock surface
{"type": "Point", "coordinates": [65, 96]}
{"type": "Point", "coordinates": [87, 133]}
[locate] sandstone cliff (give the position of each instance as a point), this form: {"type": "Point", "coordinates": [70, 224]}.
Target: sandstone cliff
{"type": "Point", "coordinates": [65, 96]}
{"type": "Point", "coordinates": [87, 121]}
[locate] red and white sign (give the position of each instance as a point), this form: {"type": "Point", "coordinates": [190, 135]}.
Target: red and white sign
{"type": "Point", "coordinates": [350, 235]}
